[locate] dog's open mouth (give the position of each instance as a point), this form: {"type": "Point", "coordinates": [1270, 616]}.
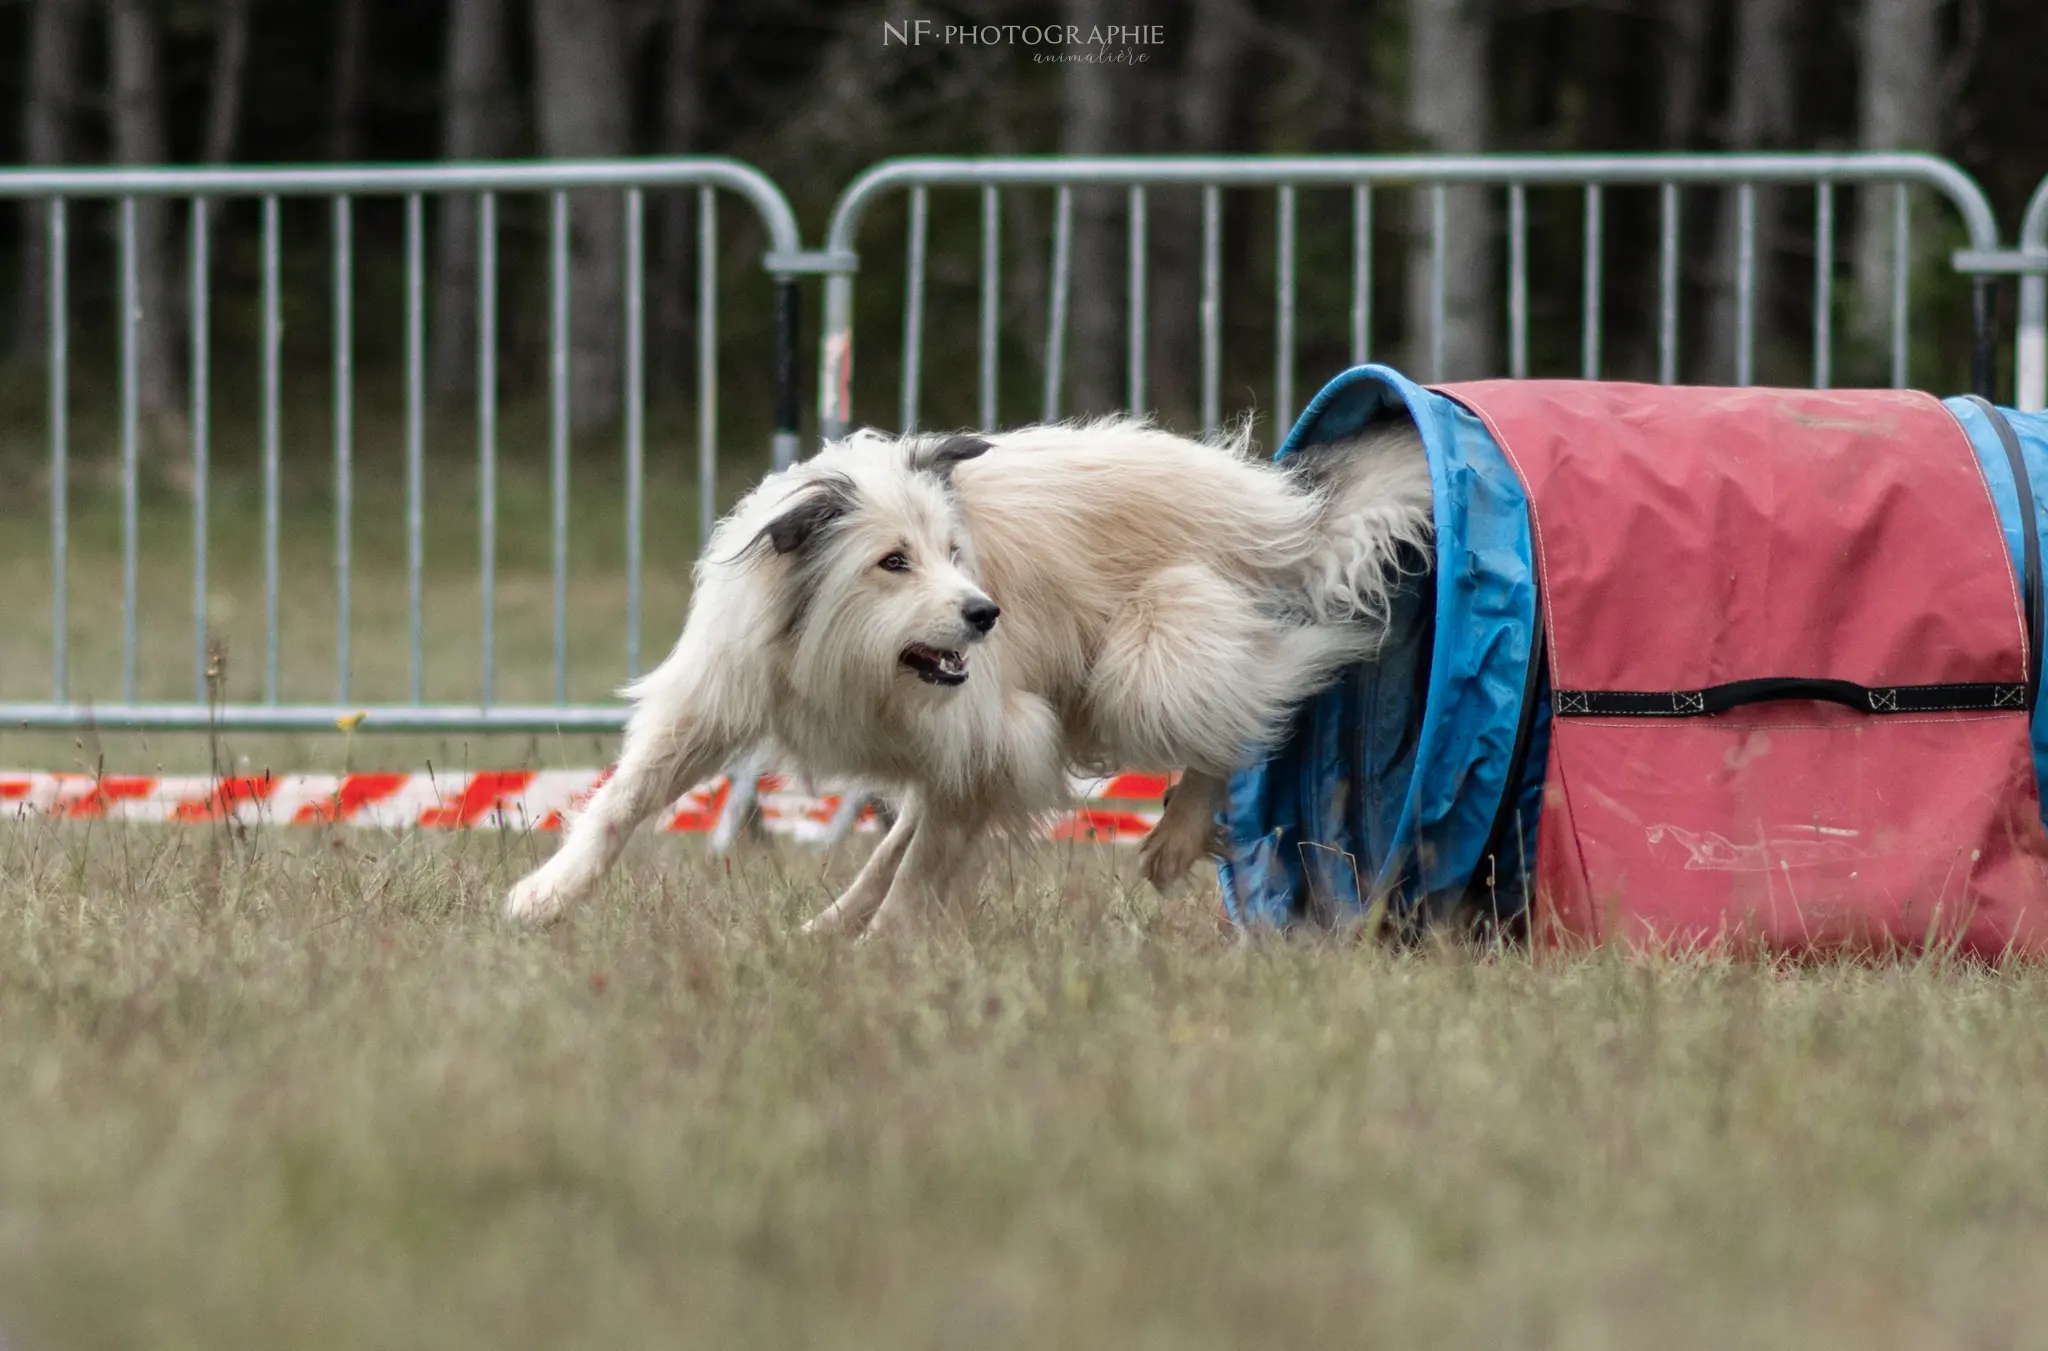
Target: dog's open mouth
{"type": "Point", "coordinates": [934, 665]}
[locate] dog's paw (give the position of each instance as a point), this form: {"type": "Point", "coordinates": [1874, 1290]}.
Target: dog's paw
{"type": "Point", "coordinates": [1171, 848]}
{"type": "Point", "coordinates": [831, 920]}
{"type": "Point", "coordinates": [535, 900]}
{"type": "Point", "coordinates": [849, 914]}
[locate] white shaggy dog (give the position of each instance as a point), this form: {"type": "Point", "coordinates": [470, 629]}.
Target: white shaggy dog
{"type": "Point", "coordinates": [966, 619]}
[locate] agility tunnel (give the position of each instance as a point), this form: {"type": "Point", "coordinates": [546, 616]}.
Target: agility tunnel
{"type": "Point", "coordinates": [1688, 667]}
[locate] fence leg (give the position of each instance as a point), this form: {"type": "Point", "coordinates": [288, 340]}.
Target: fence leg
{"type": "Point", "coordinates": [788, 313]}
{"type": "Point", "coordinates": [742, 804]}
{"type": "Point", "coordinates": [845, 817]}
{"type": "Point", "coordinates": [2032, 376]}
{"type": "Point", "coordinates": [1983, 355]}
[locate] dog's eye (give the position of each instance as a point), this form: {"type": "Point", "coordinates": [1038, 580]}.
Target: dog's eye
{"type": "Point", "coordinates": [894, 562]}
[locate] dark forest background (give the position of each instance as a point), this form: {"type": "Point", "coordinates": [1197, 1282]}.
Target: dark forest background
{"type": "Point", "coordinates": [811, 93]}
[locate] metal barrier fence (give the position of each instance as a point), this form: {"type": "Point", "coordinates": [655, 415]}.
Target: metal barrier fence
{"type": "Point", "coordinates": [1516, 178]}
{"type": "Point", "coordinates": [343, 188]}
{"type": "Point", "coordinates": [1593, 175]}
{"type": "Point", "coordinates": [2032, 264]}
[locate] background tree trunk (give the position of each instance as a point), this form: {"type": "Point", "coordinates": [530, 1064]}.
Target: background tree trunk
{"type": "Point", "coordinates": [475, 107]}
{"type": "Point", "coordinates": [345, 106]}
{"type": "Point", "coordinates": [1090, 124]}
{"type": "Point", "coordinates": [1337, 30]}
{"type": "Point", "coordinates": [580, 69]}
{"type": "Point", "coordinates": [682, 117]}
{"type": "Point", "coordinates": [1898, 108]}
{"type": "Point", "coordinates": [1449, 77]}
{"type": "Point", "coordinates": [51, 82]}
{"type": "Point", "coordinates": [230, 63]}
{"type": "Point", "coordinates": [135, 64]}
{"type": "Point", "coordinates": [1686, 27]}
{"type": "Point", "coordinates": [1202, 99]}
{"type": "Point", "coordinates": [1760, 117]}
{"type": "Point", "coordinates": [1027, 225]}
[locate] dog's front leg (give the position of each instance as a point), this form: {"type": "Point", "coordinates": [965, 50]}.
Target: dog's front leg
{"type": "Point", "coordinates": [1186, 832]}
{"type": "Point", "coordinates": [870, 886]}
{"type": "Point", "coordinates": [663, 756]}
{"type": "Point", "coordinates": [940, 865]}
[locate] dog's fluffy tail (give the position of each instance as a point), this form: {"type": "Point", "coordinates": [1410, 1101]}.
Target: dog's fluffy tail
{"type": "Point", "coordinates": [1376, 522]}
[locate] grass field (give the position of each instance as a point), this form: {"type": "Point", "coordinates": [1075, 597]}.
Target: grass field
{"type": "Point", "coordinates": [295, 1089]}
{"type": "Point", "coordinates": [302, 1090]}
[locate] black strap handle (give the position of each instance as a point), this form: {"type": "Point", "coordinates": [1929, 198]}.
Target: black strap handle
{"type": "Point", "coordinates": [1959, 697]}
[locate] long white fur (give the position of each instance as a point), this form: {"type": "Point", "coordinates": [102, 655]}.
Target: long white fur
{"type": "Point", "coordinates": [1165, 602]}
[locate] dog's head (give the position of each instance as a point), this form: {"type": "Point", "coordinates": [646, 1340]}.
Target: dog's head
{"type": "Point", "coordinates": [872, 567]}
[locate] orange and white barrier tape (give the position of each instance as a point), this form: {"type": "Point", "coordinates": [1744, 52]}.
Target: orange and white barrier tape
{"type": "Point", "coordinates": [1120, 808]}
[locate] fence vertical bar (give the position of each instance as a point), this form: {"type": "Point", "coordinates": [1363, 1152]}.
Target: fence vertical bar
{"type": "Point", "coordinates": [1361, 274]}
{"type": "Point", "coordinates": [130, 445]}
{"type": "Point", "coordinates": [558, 429]}
{"type": "Point", "coordinates": [1901, 267]}
{"type": "Point", "coordinates": [200, 340]}
{"type": "Point", "coordinates": [487, 435]}
{"type": "Point", "coordinates": [835, 358]}
{"type": "Point", "coordinates": [784, 446]}
{"type": "Point", "coordinates": [1983, 350]}
{"type": "Point", "coordinates": [415, 440]}
{"type": "Point", "coordinates": [1589, 303]}
{"type": "Point", "coordinates": [2031, 349]}
{"type": "Point", "coordinates": [1134, 376]}
{"type": "Point", "coordinates": [707, 363]}
{"type": "Point", "coordinates": [913, 308]}
{"type": "Point", "coordinates": [60, 450]}
{"type": "Point", "coordinates": [273, 443]}
{"type": "Point", "coordinates": [1212, 306]}
{"type": "Point", "coordinates": [636, 431]}
{"type": "Point", "coordinates": [1439, 225]}
{"type": "Point", "coordinates": [1745, 284]}
{"type": "Point", "coordinates": [991, 299]}
{"type": "Point", "coordinates": [1823, 283]}
{"type": "Point", "coordinates": [1667, 284]}
{"type": "Point", "coordinates": [1518, 281]}
{"type": "Point", "coordinates": [1283, 311]}
{"type": "Point", "coordinates": [1056, 302]}
{"type": "Point", "coordinates": [344, 438]}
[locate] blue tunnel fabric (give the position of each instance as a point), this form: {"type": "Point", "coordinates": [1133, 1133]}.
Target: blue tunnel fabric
{"type": "Point", "coordinates": [2032, 431]}
{"type": "Point", "coordinates": [1389, 784]}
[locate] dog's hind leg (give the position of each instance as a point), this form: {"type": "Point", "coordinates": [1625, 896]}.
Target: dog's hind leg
{"type": "Point", "coordinates": [870, 886]}
{"type": "Point", "coordinates": [661, 759]}
{"type": "Point", "coordinates": [1186, 832]}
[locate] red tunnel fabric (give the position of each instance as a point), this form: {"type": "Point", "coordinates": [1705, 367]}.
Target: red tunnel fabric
{"type": "Point", "coordinates": [1689, 538]}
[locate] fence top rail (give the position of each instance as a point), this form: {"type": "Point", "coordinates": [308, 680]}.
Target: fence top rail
{"type": "Point", "coordinates": [254, 717]}
{"type": "Point", "coordinates": [386, 179]}
{"type": "Point", "coordinates": [1929, 171]}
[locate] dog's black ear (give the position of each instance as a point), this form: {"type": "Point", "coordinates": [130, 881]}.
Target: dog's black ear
{"type": "Point", "coordinates": [803, 518]}
{"type": "Point", "coordinates": [940, 456]}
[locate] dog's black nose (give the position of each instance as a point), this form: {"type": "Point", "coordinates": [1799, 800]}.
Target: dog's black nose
{"type": "Point", "coordinates": [980, 614]}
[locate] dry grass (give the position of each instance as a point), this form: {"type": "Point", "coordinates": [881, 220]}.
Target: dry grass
{"type": "Point", "coordinates": [303, 1090]}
